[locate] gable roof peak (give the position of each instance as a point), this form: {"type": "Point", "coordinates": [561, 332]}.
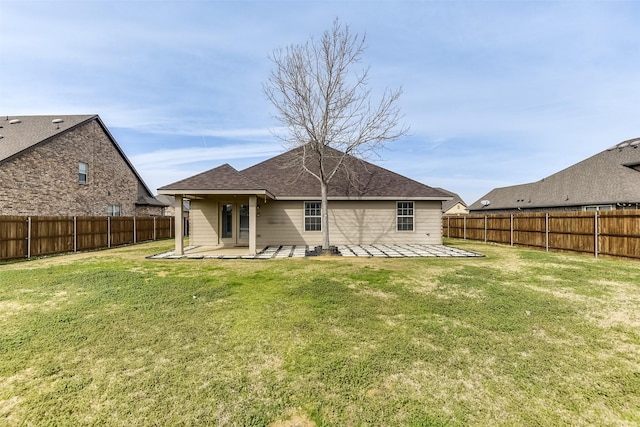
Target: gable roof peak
{"type": "Point", "coordinates": [20, 133]}
{"type": "Point", "coordinates": [223, 177]}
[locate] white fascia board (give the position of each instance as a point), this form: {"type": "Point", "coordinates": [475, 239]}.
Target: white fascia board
{"type": "Point", "coordinates": [217, 192]}
{"type": "Point", "coordinates": [366, 198]}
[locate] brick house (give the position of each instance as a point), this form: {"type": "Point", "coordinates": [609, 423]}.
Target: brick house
{"type": "Point", "coordinates": [68, 165]}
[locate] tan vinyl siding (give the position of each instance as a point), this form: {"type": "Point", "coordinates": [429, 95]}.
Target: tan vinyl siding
{"type": "Point", "coordinates": [375, 222]}
{"type": "Point", "coordinates": [204, 222]}
{"type": "Point", "coordinates": [282, 222]}
{"type": "Point", "coordinates": [351, 222]}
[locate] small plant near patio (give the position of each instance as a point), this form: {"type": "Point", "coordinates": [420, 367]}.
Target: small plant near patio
{"type": "Point", "coordinates": [518, 337]}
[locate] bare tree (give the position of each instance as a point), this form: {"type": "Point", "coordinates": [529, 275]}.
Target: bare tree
{"type": "Point", "coordinates": [325, 105]}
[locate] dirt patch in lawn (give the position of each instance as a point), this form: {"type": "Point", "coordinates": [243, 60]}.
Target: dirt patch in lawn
{"type": "Point", "coordinates": [296, 419]}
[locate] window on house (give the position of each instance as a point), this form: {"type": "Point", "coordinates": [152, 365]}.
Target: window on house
{"type": "Point", "coordinates": [404, 216]}
{"type": "Point", "coordinates": [82, 172]}
{"type": "Point", "coordinates": [227, 221]}
{"type": "Point", "coordinates": [599, 208]}
{"type": "Point", "coordinates": [312, 216]}
{"type": "Point", "coordinates": [113, 210]}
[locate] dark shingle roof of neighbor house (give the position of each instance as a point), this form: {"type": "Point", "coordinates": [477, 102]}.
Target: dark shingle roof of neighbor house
{"type": "Point", "coordinates": [168, 200]}
{"type": "Point", "coordinates": [448, 204]}
{"type": "Point", "coordinates": [282, 177]}
{"type": "Point", "coordinates": [609, 177]}
{"type": "Point", "coordinates": [21, 133]}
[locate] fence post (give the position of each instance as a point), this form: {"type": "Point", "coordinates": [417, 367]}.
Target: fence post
{"type": "Point", "coordinates": [108, 231]}
{"type": "Point", "coordinates": [154, 228]}
{"type": "Point", "coordinates": [170, 226]}
{"type": "Point", "coordinates": [511, 225]}
{"type": "Point", "coordinates": [464, 228]}
{"type": "Point", "coordinates": [28, 237]}
{"type": "Point", "coordinates": [546, 231]}
{"type": "Point", "coordinates": [485, 229]}
{"type": "Point", "coordinates": [596, 236]}
{"type": "Point", "coordinates": [135, 237]}
{"type": "Point", "coordinates": [75, 234]}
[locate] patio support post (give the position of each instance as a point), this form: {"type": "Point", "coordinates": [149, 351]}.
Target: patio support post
{"type": "Point", "coordinates": [253, 203]}
{"type": "Point", "coordinates": [179, 224]}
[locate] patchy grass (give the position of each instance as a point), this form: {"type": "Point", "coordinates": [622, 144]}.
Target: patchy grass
{"type": "Point", "coordinates": [517, 338]}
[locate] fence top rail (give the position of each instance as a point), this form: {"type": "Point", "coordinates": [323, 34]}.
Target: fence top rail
{"type": "Point", "coordinates": [97, 217]}
{"type": "Point", "coordinates": [556, 214]}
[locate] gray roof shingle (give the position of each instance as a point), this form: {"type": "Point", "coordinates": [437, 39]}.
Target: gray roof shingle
{"type": "Point", "coordinates": [282, 177]}
{"type": "Point", "coordinates": [23, 132]}
{"type": "Point", "coordinates": [224, 177]}
{"type": "Point", "coordinates": [609, 177]}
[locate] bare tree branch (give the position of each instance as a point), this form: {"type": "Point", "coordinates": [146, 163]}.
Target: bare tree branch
{"type": "Point", "coordinates": [325, 105]}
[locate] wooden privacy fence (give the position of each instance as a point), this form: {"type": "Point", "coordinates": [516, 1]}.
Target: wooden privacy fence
{"type": "Point", "coordinates": [615, 233]}
{"type": "Point", "coordinates": [30, 236]}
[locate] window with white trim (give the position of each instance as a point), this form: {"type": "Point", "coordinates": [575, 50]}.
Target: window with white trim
{"type": "Point", "coordinates": [113, 210]}
{"type": "Point", "coordinates": [599, 208]}
{"type": "Point", "coordinates": [83, 169]}
{"type": "Point", "coordinates": [312, 216]}
{"type": "Point", "coordinates": [404, 219]}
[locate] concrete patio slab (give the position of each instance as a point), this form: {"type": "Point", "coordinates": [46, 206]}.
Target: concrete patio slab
{"type": "Point", "coordinates": [300, 251]}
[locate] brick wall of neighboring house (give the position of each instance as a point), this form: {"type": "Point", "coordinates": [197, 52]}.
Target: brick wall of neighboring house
{"type": "Point", "coordinates": [44, 180]}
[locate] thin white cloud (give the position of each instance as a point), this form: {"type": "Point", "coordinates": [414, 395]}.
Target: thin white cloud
{"type": "Point", "coordinates": [162, 167]}
{"type": "Point", "coordinates": [161, 159]}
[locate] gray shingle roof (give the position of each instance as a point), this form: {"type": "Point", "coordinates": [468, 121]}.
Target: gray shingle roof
{"type": "Point", "coordinates": [223, 177]}
{"type": "Point", "coordinates": [23, 132]}
{"type": "Point", "coordinates": [609, 177]}
{"type": "Point", "coordinates": [282, 178]}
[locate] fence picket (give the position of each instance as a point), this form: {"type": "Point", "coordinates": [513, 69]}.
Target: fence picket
{"type": "Point", "coordinates": [612, 233]}
{"type": "Point", "coordinates": [32, 236]}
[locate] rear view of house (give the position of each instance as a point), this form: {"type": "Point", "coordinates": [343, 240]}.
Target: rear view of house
{"type": "Point", "coordinates": [275, 203]}
{"type": "Point", "coordinates": [67, 165]}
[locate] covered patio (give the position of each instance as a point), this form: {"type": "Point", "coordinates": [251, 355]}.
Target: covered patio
{"type": "Point", "coordinates": [225, 220]}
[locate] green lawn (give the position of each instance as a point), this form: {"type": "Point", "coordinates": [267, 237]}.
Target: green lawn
{"type": "Point", "coordinates": [519, 337]}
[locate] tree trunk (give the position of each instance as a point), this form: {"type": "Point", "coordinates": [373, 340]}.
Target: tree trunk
{"type": "Point", "coordinates": [324, 211]}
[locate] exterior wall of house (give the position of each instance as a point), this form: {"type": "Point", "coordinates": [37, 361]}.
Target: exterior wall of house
{"type": "Point", "coordinates": [44, 180]}
{"type": "Point", "coordinates": [350, 222]}
{"type": "Point", "coordinates": [203, 222]}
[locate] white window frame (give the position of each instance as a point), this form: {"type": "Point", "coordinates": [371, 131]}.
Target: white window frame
{"type": "Point", "coordinates": [403, 212]}
{"type": "Point", "coordinates": [592, 208]}
{"type": "Point", "coordinates": [317, 215]}
{"type": "Point", "coordinates": [83, 170]}
{"type": "Point", "coordinates": [114, 210]}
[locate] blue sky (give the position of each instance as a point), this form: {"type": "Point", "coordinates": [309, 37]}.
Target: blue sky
{"type": "Point", "coordinates": [496, 93]}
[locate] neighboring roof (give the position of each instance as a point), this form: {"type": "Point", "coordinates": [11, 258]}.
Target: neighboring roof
{"type": "Point", "coordinates": [609, 177]}
{"type": "Point", "coordinates": [171, 200]}
{"type": "Point", "coordinates": [281, 177]}
{"type": "Point", "coordinates": [21, 133]}
{"type": "Point", "coordinates": [149, 201]}
{"type": "Point", "coordinates": [448, 204]}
